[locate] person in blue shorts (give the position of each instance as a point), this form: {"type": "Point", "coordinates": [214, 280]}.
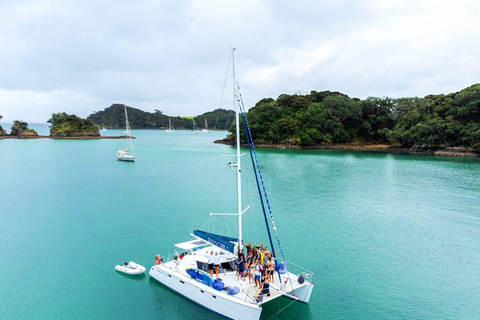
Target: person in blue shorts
{"type": "Point", "coordinates": [240, 265]}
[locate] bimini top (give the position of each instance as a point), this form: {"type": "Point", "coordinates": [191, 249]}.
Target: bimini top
{"type": "Point", "coordinates": [192, 244]}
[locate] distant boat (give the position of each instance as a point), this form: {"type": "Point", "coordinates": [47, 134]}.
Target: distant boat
{"type": "Point", "coordinates": [206, 127]}
{"type": "Point", "coordinates": [127, 154]}
{"type": "Point", "coordinates": [103, 129]}
{"type": "Point", "coordinates": [170, 126]}
{"type": "Point", "coordinates": [232, 164]}
{"type": "Point", "coordinates": [194, 127]}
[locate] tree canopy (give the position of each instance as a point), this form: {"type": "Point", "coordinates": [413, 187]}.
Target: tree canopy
{"type": "Point", "coordinates": [2, 131]}
{"type": "Point", "coordinates": [20, 128]}
{"type": "Point", "coordinates": [69, 125]}
{"type": "Point", "coordinates": [333, 117]}
{"type": "Point", "coordinates": [114, 117]}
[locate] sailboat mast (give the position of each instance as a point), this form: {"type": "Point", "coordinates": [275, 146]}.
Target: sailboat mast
{"type": "Point", "coordinates": [239, 170]}
{"type": "Point", "coordinates": [129, 134]}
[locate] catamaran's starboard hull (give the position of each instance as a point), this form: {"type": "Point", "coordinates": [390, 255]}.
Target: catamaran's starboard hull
{"type": "Point", "coordinates": [205, 296]}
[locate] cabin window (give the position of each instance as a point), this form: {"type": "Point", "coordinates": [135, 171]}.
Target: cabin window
{"type": "Point", "coordinates": [202, 266]}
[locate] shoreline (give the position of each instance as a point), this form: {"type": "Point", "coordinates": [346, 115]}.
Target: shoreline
{"type": "Point", "coordinates": [386, 148]}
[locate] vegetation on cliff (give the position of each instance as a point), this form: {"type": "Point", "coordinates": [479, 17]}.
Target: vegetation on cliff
{"type": "Point", "coordinates": [21, 129]}
{"type": "Point", "coordinates": [2, 131]}
{"type": "Point", "coordinates": [220, 119]}
{"type": "Point", "coordinates": [69, 125]}
{"type": "Point", "coordinates": [332, 117]}
{"type": "Point", "coordinates": [114, 117]}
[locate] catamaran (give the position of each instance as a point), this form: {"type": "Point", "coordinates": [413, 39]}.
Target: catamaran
{"type": "Point", "coordinates": [127, 154]}
{"type": "Point", "coordinates": [187, 273]}
{"type": "Point", "coordinates": [206, 127]}
{"type": "Point", "coordinates": [193, 131]}
{"type": "Point", "coordinates": [170, 126]}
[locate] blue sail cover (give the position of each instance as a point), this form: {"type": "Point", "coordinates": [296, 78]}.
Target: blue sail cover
{"type": "Point", "coordinates": [220, 241]}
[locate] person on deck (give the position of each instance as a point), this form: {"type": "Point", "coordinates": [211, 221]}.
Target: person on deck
{"type": "Point", "coordinates": [249, 248]}
{"type": "Point", "coordinates": [216, 263]}
{"type": "Point", "coordinates": [211, 260]}
{"type": "Point", "coordinates": [258, 273]}
{"type": "Point", "coordinates": [271, 267]}
{"type": "Point", "coordinates": [240, 265]}
{"type": "Point", "coordinates": [266, 287]}
{"type": "Point", "coordinates": [248, 266]}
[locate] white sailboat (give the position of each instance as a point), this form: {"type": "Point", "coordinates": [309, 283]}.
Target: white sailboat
{"type": "Point", "coordinates": [206, 127]}
{"type": "Point", "coordinates": [170, 126]}
{"type": "Point", "coordinates": [127, 154]}
{"type": "Point", "coordinates": [186, 274]}
{"type": "Point", "coordinates": [193, 131]}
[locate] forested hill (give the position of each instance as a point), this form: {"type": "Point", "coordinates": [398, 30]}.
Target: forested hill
{"type": "Point", "coordinates": [332, 117]}
{"type": "Point", "coordinates": [114, 117]}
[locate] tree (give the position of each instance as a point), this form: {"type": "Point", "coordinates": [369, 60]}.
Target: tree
{"type": "Point", "coordinates": [20, 128]}
{"type": "Point", "coordinates": [2, 131]}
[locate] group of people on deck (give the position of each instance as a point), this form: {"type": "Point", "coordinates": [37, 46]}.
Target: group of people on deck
{"type": "Point", "coordinates": [258, 265]}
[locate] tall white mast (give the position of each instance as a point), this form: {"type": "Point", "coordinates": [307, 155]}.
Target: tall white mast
{"type": "Point", "coordinates": [239, 168]}
{"type": "Point", "coordinates": [129, 134]}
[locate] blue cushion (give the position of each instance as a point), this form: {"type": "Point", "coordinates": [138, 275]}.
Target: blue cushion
{"type": "Point", "coordinates": [218, 285]}
{"type": "Point", "coordinates": [233, 291]}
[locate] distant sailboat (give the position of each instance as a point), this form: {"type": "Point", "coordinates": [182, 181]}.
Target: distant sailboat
{"type": "Point", "coordinates": [103, 129]}
{"type": "Point", "coordinates": [193, 130]}
{"type": "Point", "coordinates": [170, 126]}
{"type": "Point", "coordinates": [127, 154]}
{"type": "Point", "coordinates": [206, 127]}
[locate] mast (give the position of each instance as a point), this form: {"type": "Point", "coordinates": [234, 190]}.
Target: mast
{"type": "Point", "coordinates": [129, 134]}
{"type": "Point", "coordinates": [239, 170]}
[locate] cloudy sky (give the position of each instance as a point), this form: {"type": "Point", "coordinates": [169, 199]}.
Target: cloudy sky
{"type": "Point", "coordinates": [82, 56]}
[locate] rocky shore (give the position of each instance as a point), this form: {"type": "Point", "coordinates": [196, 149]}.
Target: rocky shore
{"type": "Point", "coordinates": [450, 152]}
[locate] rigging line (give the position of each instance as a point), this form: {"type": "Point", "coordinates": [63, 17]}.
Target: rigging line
{"type": "Point", "coordinates": [250, 142]}
{"type": "Point", "coordinates": [258, 187]}
{"type": "Point", "coordinates": [240, 101]}
{"type": "Point", "coordinates": [223, 92]}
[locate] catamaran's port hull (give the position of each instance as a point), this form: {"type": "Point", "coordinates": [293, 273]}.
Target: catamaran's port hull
{"type": "Point", "coordinates": [206, 296]}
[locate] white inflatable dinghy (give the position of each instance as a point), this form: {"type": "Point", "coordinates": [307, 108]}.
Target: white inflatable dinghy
{"type": "Point", "coordinates": [130, 268]}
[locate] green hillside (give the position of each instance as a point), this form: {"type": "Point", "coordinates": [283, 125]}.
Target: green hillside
{"type": "Point", "coordinates": [333, 117]}
{"type": "Point", "coordinates": [114, 117]}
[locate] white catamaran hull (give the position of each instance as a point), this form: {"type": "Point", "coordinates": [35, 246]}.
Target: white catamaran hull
{"type": "Point", "coordinates": [207, 297]}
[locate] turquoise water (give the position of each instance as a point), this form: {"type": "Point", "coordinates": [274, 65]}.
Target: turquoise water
{"type": "Point", "coordinates": [387, 236]}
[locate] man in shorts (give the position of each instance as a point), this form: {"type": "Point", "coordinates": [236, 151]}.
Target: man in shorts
{"type": "Point", "coordinates": [240, 265]}
{"type": "Point", "coordinates": [211, 260]}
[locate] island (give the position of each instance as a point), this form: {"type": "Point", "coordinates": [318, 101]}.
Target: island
{"type": "Point", "coordinates": [113, 117]}
{"type": "Point", "coordinates": [435, 124]}
{"type": "Point", "coordinates": [64, 126]}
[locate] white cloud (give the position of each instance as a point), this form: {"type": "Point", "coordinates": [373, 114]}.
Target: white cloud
{"type": "Point", "coordinates": [81, 56]}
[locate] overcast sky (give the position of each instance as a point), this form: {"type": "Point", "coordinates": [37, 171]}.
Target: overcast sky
{"type": "Point", "coordinates": [82, 56]}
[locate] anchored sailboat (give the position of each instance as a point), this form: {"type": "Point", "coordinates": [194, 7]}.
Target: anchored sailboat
{"type": "Point", "coordinates": [194, 127]}
{"type": "Point", "coordinates": [127, 154]}
{"type": "Point", "coordinates": [206, 127]}
{"type": "Point", "coordinates": [170, 126]}
{"type": "Point", "coordinates": [188, 275]}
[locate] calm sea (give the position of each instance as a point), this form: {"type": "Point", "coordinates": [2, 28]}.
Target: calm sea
{"type": "Point", "coordinates": [388, 236]}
